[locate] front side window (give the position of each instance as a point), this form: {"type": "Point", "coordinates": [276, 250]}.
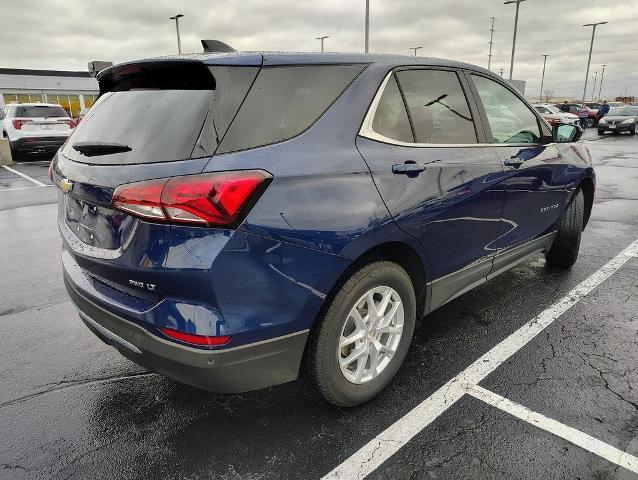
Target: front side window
{"type": "Point", "coordinates": [511, 121]}
{"type": "Point", "coordinates": [437, 106]}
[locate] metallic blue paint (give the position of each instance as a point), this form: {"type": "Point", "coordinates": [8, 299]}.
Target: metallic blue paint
{"type": "Point", "coordinates": [332, 199]}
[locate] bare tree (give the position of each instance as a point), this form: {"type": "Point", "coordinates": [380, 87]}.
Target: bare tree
{"type": "Point", "coordinates": [548, 95]}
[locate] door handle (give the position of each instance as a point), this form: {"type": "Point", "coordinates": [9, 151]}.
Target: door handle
{"type": "Point", "coordinates": [513, 162]}
{"type": "Point", "coordinates": [409, 168]}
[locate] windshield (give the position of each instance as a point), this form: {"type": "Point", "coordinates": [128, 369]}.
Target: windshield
{"type": "Point", "coordinates": [552, 109]}
{"type": "Point", "coordinates": [40, 111]}
{"type": "Point", "coordinates": [624, 111]}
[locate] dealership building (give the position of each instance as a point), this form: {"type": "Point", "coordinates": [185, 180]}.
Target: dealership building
{"type": "Point", "coordinates": [74, 91]}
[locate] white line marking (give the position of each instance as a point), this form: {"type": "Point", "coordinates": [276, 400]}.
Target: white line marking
{"type": "Point", "coordinates": [570, 434]}
{"type": "Point", "coordinates": [383, 446]}
{"type": "Point", "coordinates": [27, 177]}
{"type": "Point", "coordinates": [24, 188]}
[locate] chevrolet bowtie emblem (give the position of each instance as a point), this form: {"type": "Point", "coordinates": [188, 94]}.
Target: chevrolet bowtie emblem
{"type": "Point", "coordinates": [66, 185]}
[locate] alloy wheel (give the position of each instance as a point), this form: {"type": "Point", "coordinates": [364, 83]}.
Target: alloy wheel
{"type": "Point", "coordinates": [370, 335]}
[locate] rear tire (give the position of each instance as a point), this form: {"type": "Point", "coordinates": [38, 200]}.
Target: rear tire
{"type": "Point", "coordinates": [601, 132]}
{"type": "Point", "coordinates": [347, 316]}
{"type": "Point", "coordinates": [564, 250]}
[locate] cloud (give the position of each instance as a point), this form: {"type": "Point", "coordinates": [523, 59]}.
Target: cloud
{"type": "Point", "coordinates": [66, 34]}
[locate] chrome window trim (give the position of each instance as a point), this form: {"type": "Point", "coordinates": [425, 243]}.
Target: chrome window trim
{"type": "Point", "coordinates": [366, 130]}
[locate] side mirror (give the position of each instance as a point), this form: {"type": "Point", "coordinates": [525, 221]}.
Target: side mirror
{"type": "Point", "coordinates": [566, 133]}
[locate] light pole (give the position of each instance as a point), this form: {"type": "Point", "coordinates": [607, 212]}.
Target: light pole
{"type": "Point", "coordinates": [367, 36]}
{"type": "Point", "coordinates": [322, 39]}
{"type": "Point", "coordinates": [415, 49]}
{"type": "Point", "coordinates": [600, 85]}
{"type": "Point", "coordinates": [593, 90]}
{"type": "Point", "coordinates": [591, 47]}
{"type": "Point", "coordinates": [518, 4]}
{"type": "Point", "coordinates": [179, 42]}
{"type": "Point", "coordinates": [540, 96]}
{"type": "Point", "coordinates": [489, 57]}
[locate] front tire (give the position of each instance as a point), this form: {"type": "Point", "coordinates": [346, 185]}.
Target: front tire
{"type": "Point", "coordinates": [633, 130]}
{"type": "Point", "coordinates": [590, 122]}
{"type": "Point", "coordinates": [601, 132]}
{"type": "Point", "coordinates": [564, 250]}
{"type": "Point", "coordinates": [360, 342]}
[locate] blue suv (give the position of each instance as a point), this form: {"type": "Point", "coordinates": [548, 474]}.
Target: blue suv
{"type": "Point", "coordinates": [234, 220]}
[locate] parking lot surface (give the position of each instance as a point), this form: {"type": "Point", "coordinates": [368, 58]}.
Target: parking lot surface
{"type": "Point", "coordinates": [533, 374]}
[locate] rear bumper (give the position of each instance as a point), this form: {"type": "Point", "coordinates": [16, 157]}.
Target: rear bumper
{"type": "Point", "coordinates": [41, 144]}
{"type": "Point", "coordinates": [240, 369]}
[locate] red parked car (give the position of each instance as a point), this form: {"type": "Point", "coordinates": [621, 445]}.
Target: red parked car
{"type": "Point", "coordinates": [574, 107]}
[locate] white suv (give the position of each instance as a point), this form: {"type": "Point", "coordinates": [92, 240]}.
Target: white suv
{"type": "Point", "coordinates": [35, 127]}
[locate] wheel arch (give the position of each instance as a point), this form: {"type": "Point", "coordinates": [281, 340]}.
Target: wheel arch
{"type": "Point", "coordinates": [401, 253]}
{"type": "Point", "coordinates": [588, 188]}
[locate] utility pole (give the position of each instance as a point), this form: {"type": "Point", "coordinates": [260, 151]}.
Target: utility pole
{"type": "Point", "coordinates": [600, 85]}
{"type": "Point", "coordinates": [489, 57]}
{"type": "Point", "coordinates": [591, 47]}
{"type": "Point", "coordinates": [415, 49]}
{"type": "Point", "coordinates": [540, 95]}
{"type": "Point", "coordinates": [179, 42]}
{"type": "Point", "coordinates": [518, 4]}
{"type": "Point", "coordinates": [593, 90]}
{"type": "Point", "coordinates": [367, 36]}
{"type": "Point", "coordinates": [322, 39]}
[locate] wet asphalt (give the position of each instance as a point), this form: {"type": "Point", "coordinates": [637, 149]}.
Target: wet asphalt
{"type": "Point", "coordinates": [73, 408]}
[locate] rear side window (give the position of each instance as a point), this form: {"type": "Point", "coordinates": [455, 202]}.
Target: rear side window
{"type": "Point", "coordinates": [391, 117]}
{"type": "Point", "coordinates": [437, 107]}
{"type": "Point", "coordinates": [511, 121]}
{"type": "Point", "coordinates": [285, 101]}
{"type": "Point", "coordinates": [40, 111]}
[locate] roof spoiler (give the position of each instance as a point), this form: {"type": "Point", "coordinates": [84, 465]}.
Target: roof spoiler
{"type": "Point", "coordinates": [215, 46]}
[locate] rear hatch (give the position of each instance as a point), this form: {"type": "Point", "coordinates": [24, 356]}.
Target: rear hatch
{"type": "Point", "coordinates": [153, 120]}
{"type": "Point", "coordinates": [42, 120]}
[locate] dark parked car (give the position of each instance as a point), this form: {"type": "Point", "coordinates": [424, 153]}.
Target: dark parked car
{"type": "Point", "coordinates": [233, 220]}
{"type": "Point", "coordinates": [619, 119]}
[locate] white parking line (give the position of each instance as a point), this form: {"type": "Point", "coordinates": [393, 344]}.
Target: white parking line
{"type": "Point", "coordinates": [581, 439]}
{"type": "Point", "coordinates": [27, 177]}
{"type": "Point", "coordinates": [383, 446]}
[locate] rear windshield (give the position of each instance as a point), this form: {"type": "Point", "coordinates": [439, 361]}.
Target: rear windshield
{"type": "Point", "coordinates": [155, 110]}
{"type": "Point", "coordinates": [40, 111]}
{"type": "Point", "coordinates": [285, 101]}
{"type": "Point", "coordinates": [157, 125]}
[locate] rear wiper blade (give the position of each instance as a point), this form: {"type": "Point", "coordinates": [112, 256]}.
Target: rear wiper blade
{"type": "Point", "coordinates": [91, 149]}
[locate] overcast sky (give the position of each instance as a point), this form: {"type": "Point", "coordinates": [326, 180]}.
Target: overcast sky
{"type": "Point", "coordinates": [66, 34]}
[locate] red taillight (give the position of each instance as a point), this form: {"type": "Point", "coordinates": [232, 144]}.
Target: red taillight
{"type": "Point", "coordinates": [195, 339]}
{"type": "Point", "coordinates": [69, 122]}
{"type": "Point", "coordinates": [17, 124]}
{"type": "Point", "coordinates": [212, 199]}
